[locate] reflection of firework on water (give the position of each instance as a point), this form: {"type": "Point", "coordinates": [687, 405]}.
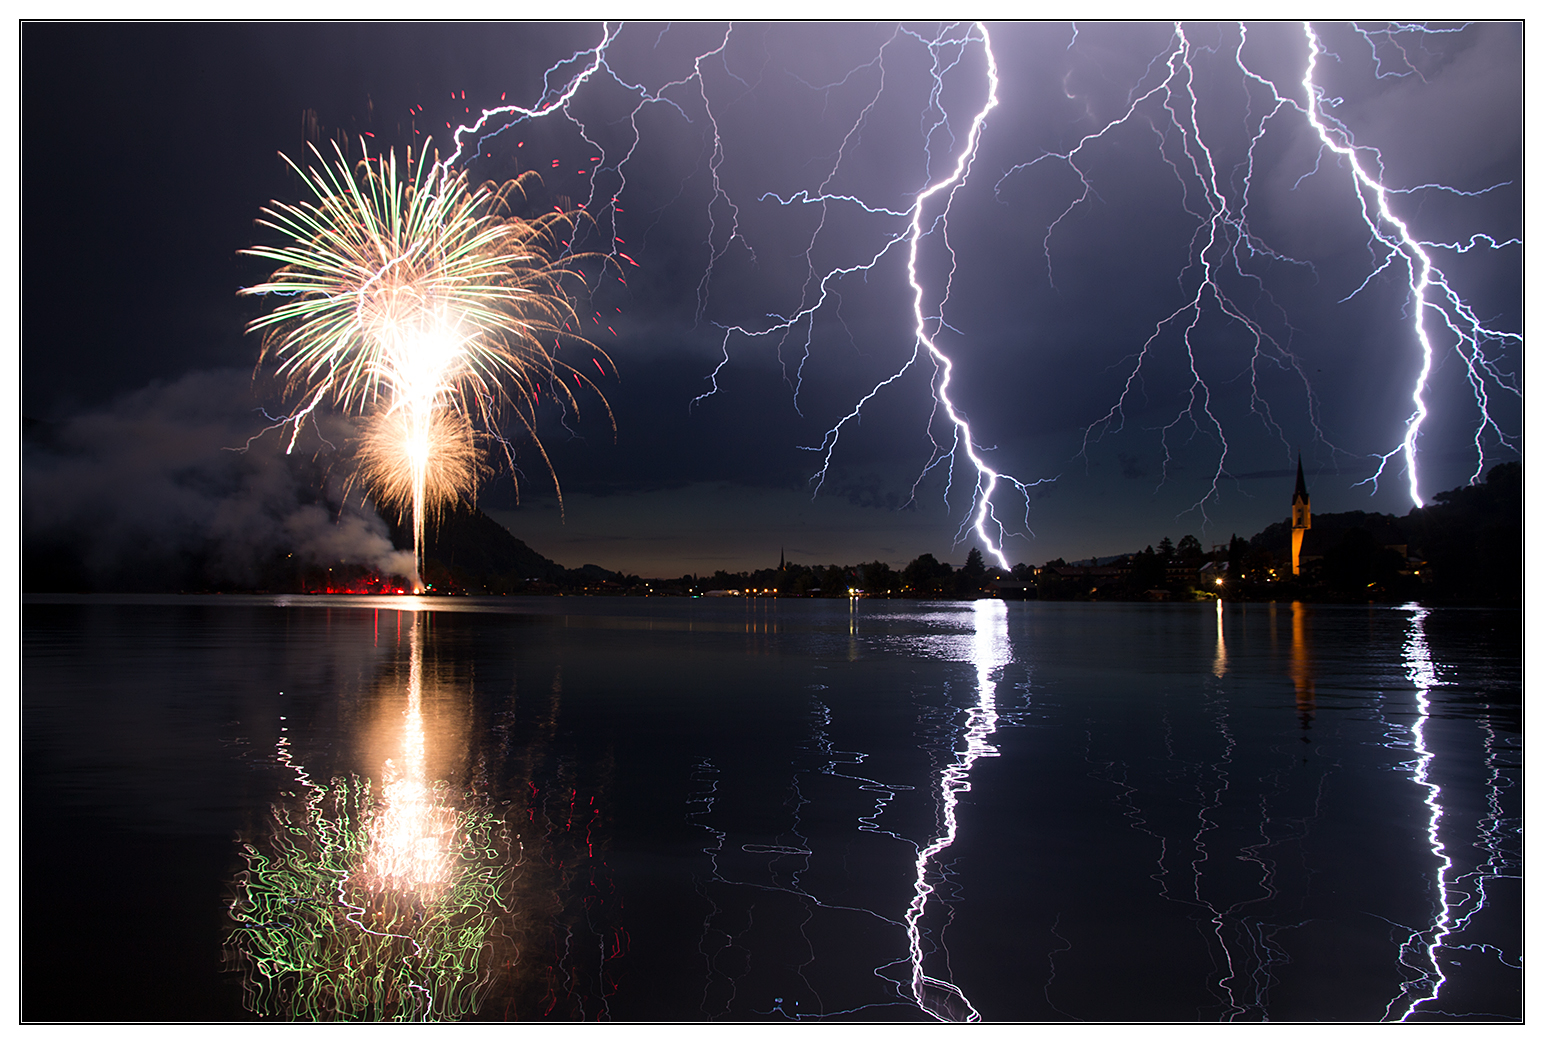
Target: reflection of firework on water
{"type": "Point", "coordinates": [421, 302]}
{"type": "Point", "coordinates": [328, 929]}
{"type": "Point", "coordinates": [371, 908]}
{"type": "Point", "coordinates": [417, 900]}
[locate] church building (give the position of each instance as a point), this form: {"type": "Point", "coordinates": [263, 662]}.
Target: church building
{"type": "Point", "coordinates": [1301, 520]}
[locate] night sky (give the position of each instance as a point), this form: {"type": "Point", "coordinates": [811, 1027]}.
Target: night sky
{"type": "Point", "coordinates": [148, 151]}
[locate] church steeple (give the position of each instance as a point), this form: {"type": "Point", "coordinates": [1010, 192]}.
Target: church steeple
{"type": "Point", "coordinates": [1302, 520]}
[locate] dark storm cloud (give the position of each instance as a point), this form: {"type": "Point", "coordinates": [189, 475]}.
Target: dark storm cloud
{"type": "Point", "coordinates": [152, 490]}
{"type": "Point", "coordinates": [154, 146]}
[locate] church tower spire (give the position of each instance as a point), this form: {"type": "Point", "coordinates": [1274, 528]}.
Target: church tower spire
{"type": "Point", "coordinates": [1302, 521]}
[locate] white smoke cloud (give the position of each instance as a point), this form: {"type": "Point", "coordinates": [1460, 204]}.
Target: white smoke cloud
{"type": "Point", "coordinates": [350, 538]}
{"type": "Point", "coordinates": [163, 486]}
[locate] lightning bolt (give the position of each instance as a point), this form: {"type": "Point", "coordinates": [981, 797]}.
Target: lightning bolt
{"type": "Point", "coordinates": [1223, 244]}
{"type": "Point", "coordinates": [1223, 294]}
{"type": "Point", "coordinates": [1430, 292]}
{"type": "Point", "coordinates": [946, 49]}
{"type": "Point", "coordinates": [1221, 233]}
{"type": "Point", "coordinates": [919, 225]}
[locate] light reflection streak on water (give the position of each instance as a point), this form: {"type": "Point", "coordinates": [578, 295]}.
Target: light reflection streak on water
{"type": "Point", "coordinates": [1493, 838]}
{"type": "Point", "coordinates": [376, 909]}
{"type": "Point", "coordinates": [1220, 661]}
{"type": "Point", "coordinates": [990, 650]}
{"type": "Point", "coordinates": [1302, 666]}
{"type": "Point", "coordinates": [1420, 669]}
{"type": "Point", "coordinates": [1459, 896]}
{"type": "Point", "coordinates": [410, 840]}
{"type": "Point", "coordinates": [1206, 822]}
{"type": "Point", "coordinates": [721, 986]}
{"type": "Point", "coordinates": [724, 928]}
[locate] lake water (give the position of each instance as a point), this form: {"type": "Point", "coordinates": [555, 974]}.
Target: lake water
{"type": "Point", "coordinates": [669, 809]}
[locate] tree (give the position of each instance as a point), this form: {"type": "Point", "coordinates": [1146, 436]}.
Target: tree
{"type": "Point", "coordinates": [1238, 550]}
{"type": "Point", "coordinates": [1359, 563]}
{"type": "Point", "coordinates": [1189, 551]}
{"type": "Point", "coordinates": [877, 577]}
{"type": "Point", "coordinates": [972, 575]}
{"type": "Point", "coordinates": [1147, 570]}
{"type": "Point", "coordinates": [925, 576]}
{"type": "Point", "coordinates": [834, 581]}
{"type": "Point", "coordinates": [1165, 550]}
{"type": "Point", "coordinates": [1472, 539]}
{"type": "Point", "coordinates": [802, 580]}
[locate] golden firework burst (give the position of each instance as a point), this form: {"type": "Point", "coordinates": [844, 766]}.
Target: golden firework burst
{"type": "Point", "coordinates": [421, 302]}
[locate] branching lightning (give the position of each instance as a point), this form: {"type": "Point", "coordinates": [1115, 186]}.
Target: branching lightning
{"type": "Point", "coordinates": [922, 222]}
{"type": "Point", "coordinates": [1225, 294]}
{"type": "Point", "coordinates": [1223, 244]}
{"type": "Point", "coordinates": [1430, 291]}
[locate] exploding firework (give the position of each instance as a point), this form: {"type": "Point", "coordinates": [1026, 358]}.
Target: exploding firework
{"type": "Point", "coordinates": [395, 456]}
{"type": "Point", "coordinates": [419, 302]}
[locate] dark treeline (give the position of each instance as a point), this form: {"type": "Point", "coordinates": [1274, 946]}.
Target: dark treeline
{"type": "Point", "coordinates": [923, 577]}
{"type": "Point", "coordinates": [1464, 548]}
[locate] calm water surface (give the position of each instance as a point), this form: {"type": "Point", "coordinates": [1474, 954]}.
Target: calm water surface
{"type": "Point", "coordinates": [668, 809]}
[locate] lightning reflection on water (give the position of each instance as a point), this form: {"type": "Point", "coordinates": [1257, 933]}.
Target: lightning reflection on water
{"type": "Point", "coordinates": [1460, 872]}
{"type": "Point", "coordinates": [883, 818]}
{"type": "Point", "coordinates": [990, 651]}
